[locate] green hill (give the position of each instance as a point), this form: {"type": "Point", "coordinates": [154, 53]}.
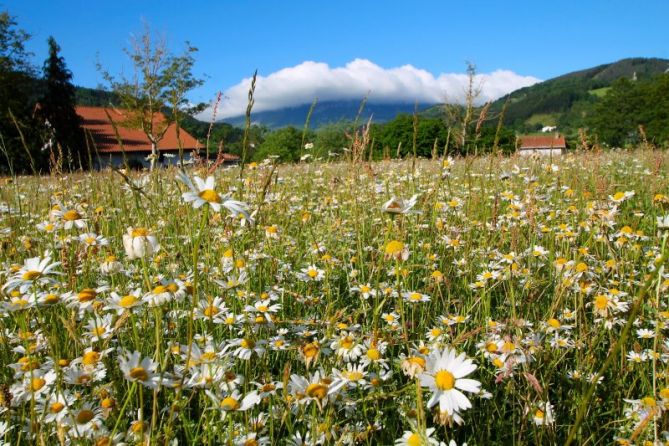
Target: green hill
{"type": "Point", "coordinates": [568, 100]}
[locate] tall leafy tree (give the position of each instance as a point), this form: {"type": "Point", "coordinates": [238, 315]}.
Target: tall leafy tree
{"type": "Point", "coordinates": [57, 107]}
{"type": "Point", "coordinates": [19, 144]}
{"type": "Point", "coordinates": [158, 87]}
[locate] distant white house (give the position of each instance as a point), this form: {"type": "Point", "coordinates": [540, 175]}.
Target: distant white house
{"type": "Point", "coordinates": [553, 145]}
{"type": "Point", "coordinates": [548, 128]}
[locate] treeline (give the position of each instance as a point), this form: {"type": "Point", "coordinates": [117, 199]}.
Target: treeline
{"type": "Point", "coordinates": [633, 112]}
{"type": "Point", "coordinates": [392, 139]}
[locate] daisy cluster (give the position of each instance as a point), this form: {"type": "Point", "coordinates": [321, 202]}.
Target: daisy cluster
{"type": "Point", "coordinates": [480, 300]}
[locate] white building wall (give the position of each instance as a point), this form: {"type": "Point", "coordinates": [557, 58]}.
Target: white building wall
{"type": "Point", "coordinates": [547, 152]}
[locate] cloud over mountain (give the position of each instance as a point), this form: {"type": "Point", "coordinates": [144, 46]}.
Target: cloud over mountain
{"type": "Point", "coordinates": [302, 83]}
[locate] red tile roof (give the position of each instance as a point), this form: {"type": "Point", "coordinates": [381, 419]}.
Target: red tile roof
{"type": "Point", "coordinates": [96, 121]}
{"type": "Point", "coordinates": [542, 142]}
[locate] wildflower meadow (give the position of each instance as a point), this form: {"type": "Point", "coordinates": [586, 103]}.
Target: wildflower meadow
{"type": "Point", "coordinates": [480, 300]}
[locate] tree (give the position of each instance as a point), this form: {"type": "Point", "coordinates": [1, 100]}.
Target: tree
{"type": "Point", "coordinates": [283, 143]}
{"type": "Point", "coordinates": [19, 138]}
{"type": "Point", "coordinates": [155, 97]}
{"type": "Point", "coordinates": [57, 107]}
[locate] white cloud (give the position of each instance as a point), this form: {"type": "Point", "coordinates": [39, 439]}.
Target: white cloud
{"type": "Point", "coordinates": [302, 83]}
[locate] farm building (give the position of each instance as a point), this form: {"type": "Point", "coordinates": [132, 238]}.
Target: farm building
{"type": "Point", "coordinates": [541, 145]}
{"type": "Point", "coordinates": [109, 150]}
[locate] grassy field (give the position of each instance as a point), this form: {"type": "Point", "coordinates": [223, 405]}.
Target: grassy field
{"type": "Point", "coordinates": [600, 92]}
{"type": "Point", "coordinates": [511, 301]}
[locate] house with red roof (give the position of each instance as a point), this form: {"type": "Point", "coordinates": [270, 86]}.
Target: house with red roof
{"type": "Point", "coordinates": [114, 139]}
{"type": "Point", "coordinates": [551, 145]}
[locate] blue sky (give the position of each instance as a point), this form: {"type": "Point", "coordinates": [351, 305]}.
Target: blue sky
{"type": "Point", "coordinates": [528, 38]}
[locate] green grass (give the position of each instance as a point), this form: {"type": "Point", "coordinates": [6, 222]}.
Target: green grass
{"type": "Point", "coordinates": [600, 92]}
{"type": "Point", "coordinates": [543, 119]}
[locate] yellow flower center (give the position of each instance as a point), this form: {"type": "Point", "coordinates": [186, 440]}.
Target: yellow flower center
{"type": "Point", "coordinates": [417, 360]}
{"type": "Point", "coordinates": [90, 358]}
{"type": "Point", "coordinates": [373, 354]}
{"type": "Point", "coordinates": [251, 442]}
{"type": "Point", "coordinates": [31, 275]}
{"type": "Point", "coordinates": [444, 380]}
{"type": "Point", "coordinates": [394, 247]}
{"type": "Point", "coordinates": [346, 343]}
{"type": "Point", "coordinates": [601, 302]}
{"type": "Point", "coordinates": [581, 267]}
{"type": "Point", "coordinates": [414, 440]}
{"type": "Point", "coordinates": [353, 375]}
{"type": "Point", "coordinates": [210, 196]}
{"type": "Point", "coordinates": [415, 297]}
{"type": "Point", "coordinates": [50, 299]}
{"type": "Point", "coordinates": [108, 403]}
{"type": "Point", "coordinates": [312, 273]}
{"type": "Point", "coordinates": [139, 232]}
{"type": "Point", "coordinates": [208, 356]}
{"type": "Point", "coordinates": [229, 403]}
{"type": "Point", "coordinates": [508, 347]}
{"type": "Point", "coordinates": [247, 343]}
{"type": "Point", "coordinates": [37, 383]}
{"type": "Point", "coordinates": [310, 350]}
{"type": "Point", "coordinates": [86, 295]}
{"type": "Point", "coordinates": [317, 390]}
{"type": "Point", "coordinates": [539, 414]}
{"type": "Point", "coordinates": [160, 289]}
{"type": "Point", "coordinates": [554, 323]}
{"type": "Point", "coordinates": [648, 401]}
{"type": "Point", "coordinates": [84, 416]}
{"type": "Point", "coordinates": [139, 373]}
{"type": "Point", "coordinates": [619, 196]}
{"type": "Point", "coordinates": [56, 407]}
{"type": "Point", "coordinates": [71, 215]}
{"type": "Point", "coordinates": [263, 308]}
{"type": "Point", "coordinates": [127, 301]}
{"type": "Point", "coordinates": [211, 311]}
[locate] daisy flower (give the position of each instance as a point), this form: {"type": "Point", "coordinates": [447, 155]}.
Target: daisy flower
{"type": "Point", "coordinates": [399, 206]}
{"type": "Point", "coordinates": [138, 369]}
{"type": "Point", "coordinates": [91, 240]}
{"type": "Point", "coordinates": [202, 192]}
{"type": "Point", "coordinates": [70, 218]}
{"type": "Point", "coordinates": [139, 243]}
{"type": "Point", "coordinates": [411, 438]}
{"type": "Point", "coordinates": [35, 271]}
{"type": "Point", "coordinates": [347, 347]}
{"type": "Point", "coordinates": [126, 302]}
{"type": "Point", "coordinates": [311, 274]}
{"type": "Point", "coordinates": [445, 376]}
{"type": "Point", "coordinates": [314, 388]}
{"type": "Point", "coordinates": [212, 310]}
{"type": "Point", "coordinates": [234, 402]}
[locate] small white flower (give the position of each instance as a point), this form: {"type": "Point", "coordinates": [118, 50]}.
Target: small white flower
{"type": "Point", "coordinates": [139, 243]}
{"type": "Point", "coordinates": [399, 206]}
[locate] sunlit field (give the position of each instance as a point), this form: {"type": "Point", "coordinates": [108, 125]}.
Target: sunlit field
{"type": "Point", "coordinates": [475, 300]}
